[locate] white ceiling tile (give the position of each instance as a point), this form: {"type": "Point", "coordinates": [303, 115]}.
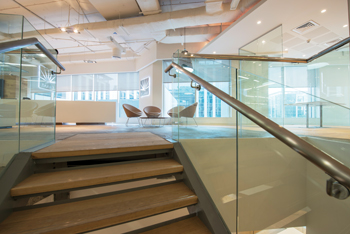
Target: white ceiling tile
{"type": "Point", "coordinates": [295, 41]}
{"type": "Point", "coordinates": [326, 38]}
{"type": "Point", "coordinates": [316, 32]}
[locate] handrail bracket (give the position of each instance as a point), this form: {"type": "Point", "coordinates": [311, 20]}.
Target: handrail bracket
{"type": "Point", "coordinates": [198, 87]}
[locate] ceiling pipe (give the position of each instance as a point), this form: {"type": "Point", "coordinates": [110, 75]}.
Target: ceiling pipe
{"type": "Point", "coordinates": [160, 22]}
{"type": "Point", "coordinates": [234, 4]}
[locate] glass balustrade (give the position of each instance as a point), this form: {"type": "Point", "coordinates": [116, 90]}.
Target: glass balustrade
{"type": "Point", "coordinates": [258, 184]}
{"type": "Point", "coordinates": [27, 91]}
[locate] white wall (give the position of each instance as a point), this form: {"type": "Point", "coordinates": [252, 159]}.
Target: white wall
{"type": "Point", "coordinates": [85, 112]}
{"type": "Point", "coordinates": [144, 73]}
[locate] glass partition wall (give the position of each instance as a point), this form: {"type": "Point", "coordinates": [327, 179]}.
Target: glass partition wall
{"type": "Point", "coordinates": [27, 91]}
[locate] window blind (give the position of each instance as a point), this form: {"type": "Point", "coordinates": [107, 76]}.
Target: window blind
{"type": "Point", "coordinates": [82, 83]}
{"type": "Point", "coordinates": [106, 82]}
{"type": "Point", "coordinates": [128, 81]}
{"type": "Point", "coordinates": [64, 83]}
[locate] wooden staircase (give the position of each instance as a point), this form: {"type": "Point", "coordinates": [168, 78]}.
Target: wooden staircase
{"type": "Point", "coordinates": [96, 160]}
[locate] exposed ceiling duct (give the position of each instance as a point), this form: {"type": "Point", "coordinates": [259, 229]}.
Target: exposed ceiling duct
{"type": "Point", "coordinates": [193, 34]}
{"type": "Point", "coordinates": [132, 31]}
{"type": "Point", "coordinates": [155, 26]}
{"type": "Point", "coordinates": [149, 7]}
{"type": "Point", "coordinates": [234, 4]}
{"type": "Point", "coordinates": [117, 49]}
{"type": "Point", "coordinates": [213, 6]}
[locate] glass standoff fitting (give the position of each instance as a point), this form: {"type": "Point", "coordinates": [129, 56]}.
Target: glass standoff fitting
{"type": "Point", "coordinates": [337, 190]}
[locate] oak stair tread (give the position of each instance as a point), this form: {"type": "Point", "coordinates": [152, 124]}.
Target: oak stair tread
{"type": "Point", "coordinates": [91, 214]}
{"type": "Point", "coordinates": [188, 226]}
{"type": "Point", "coordinates": [106, 143]}
{"type": "Point", "coordinates": [62, 180]}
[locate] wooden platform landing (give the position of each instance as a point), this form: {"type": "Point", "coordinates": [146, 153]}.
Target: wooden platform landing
{"type": "Point", "coordinates": [89, 144]}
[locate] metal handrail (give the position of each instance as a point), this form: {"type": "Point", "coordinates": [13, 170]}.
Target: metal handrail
{"type": "Point", "coordinates": [325, 162]}
{"type": "Point", "coordinates": [265, 59]}
{"type": "Point", "coordinates": [19, 44]}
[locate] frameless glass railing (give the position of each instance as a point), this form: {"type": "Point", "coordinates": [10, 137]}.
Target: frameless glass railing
{"type": "Point", "coordinates": [258, 183]}
{"type": "Point", "coordinates": [27, 90]}
{"type": "Point", "coordinates": [207, 130]}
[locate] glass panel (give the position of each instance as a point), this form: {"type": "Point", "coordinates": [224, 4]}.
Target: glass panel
{"type": "Point", "coordinates": [10, 73]}
{"type": "Point", "coordinates": [270, 44]}
{"type": "Point", "coordinates": [272, 182]}
{"type": "Point", "coordinates": [38, 94]}
{"type": "Point", "coordinates": [10, 27]}
{"type": "Point", "coordinates": [279, 191]}
{"type": "Point", "coordinates": [210, 146]}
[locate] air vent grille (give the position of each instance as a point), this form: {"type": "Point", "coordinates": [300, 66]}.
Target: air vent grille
{"type": "Point", "coordinates": [306, 27]}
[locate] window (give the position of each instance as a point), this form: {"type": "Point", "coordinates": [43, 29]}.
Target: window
{"type": "Point", "coordinates": [119, 88]}
{"type": "Point", "coordinates": [181, 94]}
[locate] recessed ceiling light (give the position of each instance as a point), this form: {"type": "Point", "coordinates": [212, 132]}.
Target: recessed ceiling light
{"type": "Point", "coordinates": [345, 26]}
{"type": "Point", "coordinates": [259, 22]}
{"type": "Point", "coordinates": [323, 11]}
{"type": "Point", "coordinates": [286, 49]}
{"type": "Point", "coordinates": [263, 42]}
{"type": "Point", "coordinates": [304, 55]}
{"type": "Point", "coordinates": [75, 31]}
{"type": "Point", "coordinates": [63, 29]}
{"type": "Point", "coordinates": [214, 52]}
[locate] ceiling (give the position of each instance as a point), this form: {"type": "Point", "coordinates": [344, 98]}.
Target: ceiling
{"type": "Point", "coordinates": [289, 15]}
{"type": "Point", "coordinates": [133, 24]}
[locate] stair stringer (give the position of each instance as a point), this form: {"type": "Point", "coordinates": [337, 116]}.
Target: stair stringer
{"type": "Point", "coordinates": [206, 209]}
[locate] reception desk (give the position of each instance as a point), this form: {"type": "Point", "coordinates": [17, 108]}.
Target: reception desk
{"type": "Point", "coordinates": [85, 112]}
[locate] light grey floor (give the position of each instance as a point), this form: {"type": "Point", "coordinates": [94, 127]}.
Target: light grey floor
{"type": "Point", "coordinates": [167, 132]}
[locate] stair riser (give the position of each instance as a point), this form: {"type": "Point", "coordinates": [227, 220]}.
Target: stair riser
{"type": "Point", "coordinates": [177, 176]}
{"type": "Point", "coordinates": [103, 156]}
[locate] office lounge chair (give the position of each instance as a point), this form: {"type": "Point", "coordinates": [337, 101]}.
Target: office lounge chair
{"type": "Point", "coordinates": [152, 111]}
{"type": "Point", "coordinates": [189, 112]}
{"type": "Point", "coordinates": [174, 112]}
{"type": "Point", "coordinates": [132, 112]}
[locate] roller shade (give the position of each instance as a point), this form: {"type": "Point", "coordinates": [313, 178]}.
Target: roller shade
{"type": "Point", "coordinates": [82, 83]}
{"type": "Point", "coordinates": [128, 81]}
{"type": "Point", "coordinates": [64, 83]}
{"type": "Point", "coordinates": [98, 82]}
{"type": "Point", "coordinates": [106, 82]}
